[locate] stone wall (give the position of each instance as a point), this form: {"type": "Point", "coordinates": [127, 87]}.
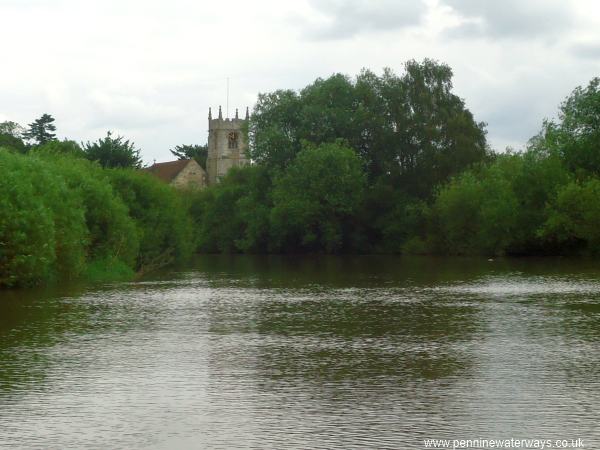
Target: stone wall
{"type": "Point", "coordinates": [192, 176]}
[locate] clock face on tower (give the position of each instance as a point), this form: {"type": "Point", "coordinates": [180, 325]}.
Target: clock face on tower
{"type": "Point", "coordinates": [232, 139]}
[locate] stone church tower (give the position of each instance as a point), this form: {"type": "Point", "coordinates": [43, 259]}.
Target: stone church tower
{"type": "Point", "coordinates": [226, 145]}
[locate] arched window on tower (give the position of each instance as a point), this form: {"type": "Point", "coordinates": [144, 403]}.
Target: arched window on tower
{"type": "Point", "coordinates": [233, 139]}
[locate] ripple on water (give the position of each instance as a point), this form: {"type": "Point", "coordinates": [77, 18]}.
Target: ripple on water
{"type": "Point", "coordinates": [202, 362]}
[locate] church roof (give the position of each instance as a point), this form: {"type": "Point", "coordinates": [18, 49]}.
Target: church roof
{"type": "Point", "coordinates": [167, 171]}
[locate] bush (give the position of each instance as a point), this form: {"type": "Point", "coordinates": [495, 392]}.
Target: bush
{"type": "Point", "coordinates": [27, 245]}
{"type": "Point", "coordinates": [498, 209]}
{"type": "Point", "coordinates": [233, 215]}
{"type": "Point", "coordinates": [60, 217]}
{"type": "Point", "coordinates": [164, 228]}
{"type": "Point", "coordinates": [315, 199]}
{"type": "Point", "coordinates": [473, 215]}
{"type": "Point", "coordinates": [42, 227]}
{"type": "Point", "coordinates": [573, 217]}
{"type": "Point", "coordinates": [112, 233]}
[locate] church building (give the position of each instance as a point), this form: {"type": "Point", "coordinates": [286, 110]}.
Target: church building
{"type": "Point", "coordinates": [227, 145]}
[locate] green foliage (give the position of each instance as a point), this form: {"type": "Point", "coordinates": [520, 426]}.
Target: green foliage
{"type": "Point", "coordinates": [307, 207]}
{"type": "Point", "coordinates": [11, 137]}
{"type": "Point", "coordinates": [498, 209]}
{"type": "Point", "coordinates": [108, 269]}
{"type": "Point", "coordinates": [574, 215]}
{"type": "Point", "coordinates": [197, 152]}
{"type": "Point", "coordinates": [112, 152]}
{"type": "Point", "coordinates": [41, 130]}
{"type": "Point", "coordinates": [11, 128]}
{"type": "Point", "coordinates": [408, 128]}
{"type": "Point", "coordinates": [27, 232]}
{"type": "Point", "coordinates": [535, 180]}
{"type": "Point", "coordinates": [386, 219]}
{"type": "Point", "coordinates": [388, 163]}
{"type": "Point", "coordinates": [315, 198]}
{"type": "Point", "coordinates": [60, 217]}
{"type": "Point", "coordinates": [474, 216]}
{"type": "Point", "coordinates": [12, 143]}
{"type": "Point", "coordinates": [112, 233]}
{"type": "Point", "coordinates": [234, 215]}
{"type": "Point", "coordinates": [59, 148]}
{"type": "Point", "coordinates": [164, 228]}
{"type": "Point", "coordinates": [42, 230]}
{"type": "Point", "coordinates": [219, 224]}
{"type": "Point", "coordinates": [575, 138]}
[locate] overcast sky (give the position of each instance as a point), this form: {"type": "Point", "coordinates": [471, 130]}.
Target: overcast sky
{"type": "Point", "coordinates": [150, 69]}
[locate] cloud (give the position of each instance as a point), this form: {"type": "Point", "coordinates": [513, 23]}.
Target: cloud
{"type": "Point", "coordinates": [150, 69]}
{"type": "Point", "coordinates": [511, 18]}
{"type": "Point", "coordinates": [586, 50]}
{"type": "Point", "coordinates": [339, 19]}
{"type": "Point", "coordinates": [120, 111]}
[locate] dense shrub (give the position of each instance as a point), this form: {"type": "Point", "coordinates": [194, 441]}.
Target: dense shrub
{"type": "Point", "coordinates": [498, 209]}
{"type": "Point", "coordinates": [573, 217]}
{"type": "Point", "coordinates": [12, 143]}
{"type": "Point", "coordinates": [234, 215]}
{"type": "Point", "coordinates": [42, 227]}
{"type": "Point", "coordinates": [164, 227]}
{"type": "Point", "coordinates": [315, 199]}
{"type": "Point", "coordinates": [59, 148]}
{"type": "Point", "coordinates": [474, 216]}
{"type": "Point", "coordinates": [64, 217]}
{"type": "Point", "coordinates": [112, 232]}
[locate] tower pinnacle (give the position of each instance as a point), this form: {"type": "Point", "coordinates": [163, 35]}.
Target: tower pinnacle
{"type": "Point", "coordinates": [247, 113]}
{"type": "Point", "coordinates": [209, 113]}
{"type": "Point", "coordinates": [220, 113]}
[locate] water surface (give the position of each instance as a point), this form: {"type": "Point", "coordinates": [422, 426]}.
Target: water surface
{"type": "Point", "coordinates": [312, 352]}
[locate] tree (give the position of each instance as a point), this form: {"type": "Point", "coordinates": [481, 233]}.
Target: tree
{"type": "Point", "coordinates": [11, 128]}
{"type": "Point", "coordinates": [573, 216]}
{"type": "Point", "coordinates": [41, 131]}
{"type": "Point", "coordinates": [197, 152]}
{"type": "Point", "coordinates": [410, 128]}
{"type": "Point", "coordinates": [10, 142]}
{"type": "Point", "coordinates": [113, 152]}
{"type": "Point", "coordinates": [233, 215]}
{"type": "Point", "coordinates": [315, 199]}
{"type": "Point", "coordinates": [64, 148]}
{"type": "Point", "coordinates": [576, 137]}
{"type": "Point", "coordinates": [476, 215]}
{"type": "Point", "coordinates": [10, 137]}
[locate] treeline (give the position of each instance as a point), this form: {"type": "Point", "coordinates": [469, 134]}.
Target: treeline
{"type": "Point", "coordinates": [65, 217]}
{"type": "Point", "coordinates": [397, 164]}
{"type": "Point", "coordinates": [371, 164]}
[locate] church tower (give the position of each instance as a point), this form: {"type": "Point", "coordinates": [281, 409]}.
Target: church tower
{"type": "Point", "coordinates": [226, 145]}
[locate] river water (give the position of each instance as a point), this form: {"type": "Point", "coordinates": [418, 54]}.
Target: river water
{"type": "Point", "coordinates": [306, 352]}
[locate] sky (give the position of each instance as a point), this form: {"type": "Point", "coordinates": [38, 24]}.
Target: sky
{"type": "Point", "coordinates": [149, 70]}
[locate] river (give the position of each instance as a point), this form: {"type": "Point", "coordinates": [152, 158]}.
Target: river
{"type": "Point", "coordinates": [306, 352]}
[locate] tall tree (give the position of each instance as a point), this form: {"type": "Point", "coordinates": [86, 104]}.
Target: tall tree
{"type": "Point", "coordinates": [197, 152]}
{"type": "Point", "coordinates": [410, 129]}
{"type": "Point", "coordinates": [576, 135]}
{"type": "Point", "coordinates": [113, 152]}
{"type": "Point", "coordinates": [41, 131]}
{"type": "Point", "coordinates": [12, 128]}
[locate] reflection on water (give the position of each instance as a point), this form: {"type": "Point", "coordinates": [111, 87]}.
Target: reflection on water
{"type": "Point", "coordinates": [271, 352]}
